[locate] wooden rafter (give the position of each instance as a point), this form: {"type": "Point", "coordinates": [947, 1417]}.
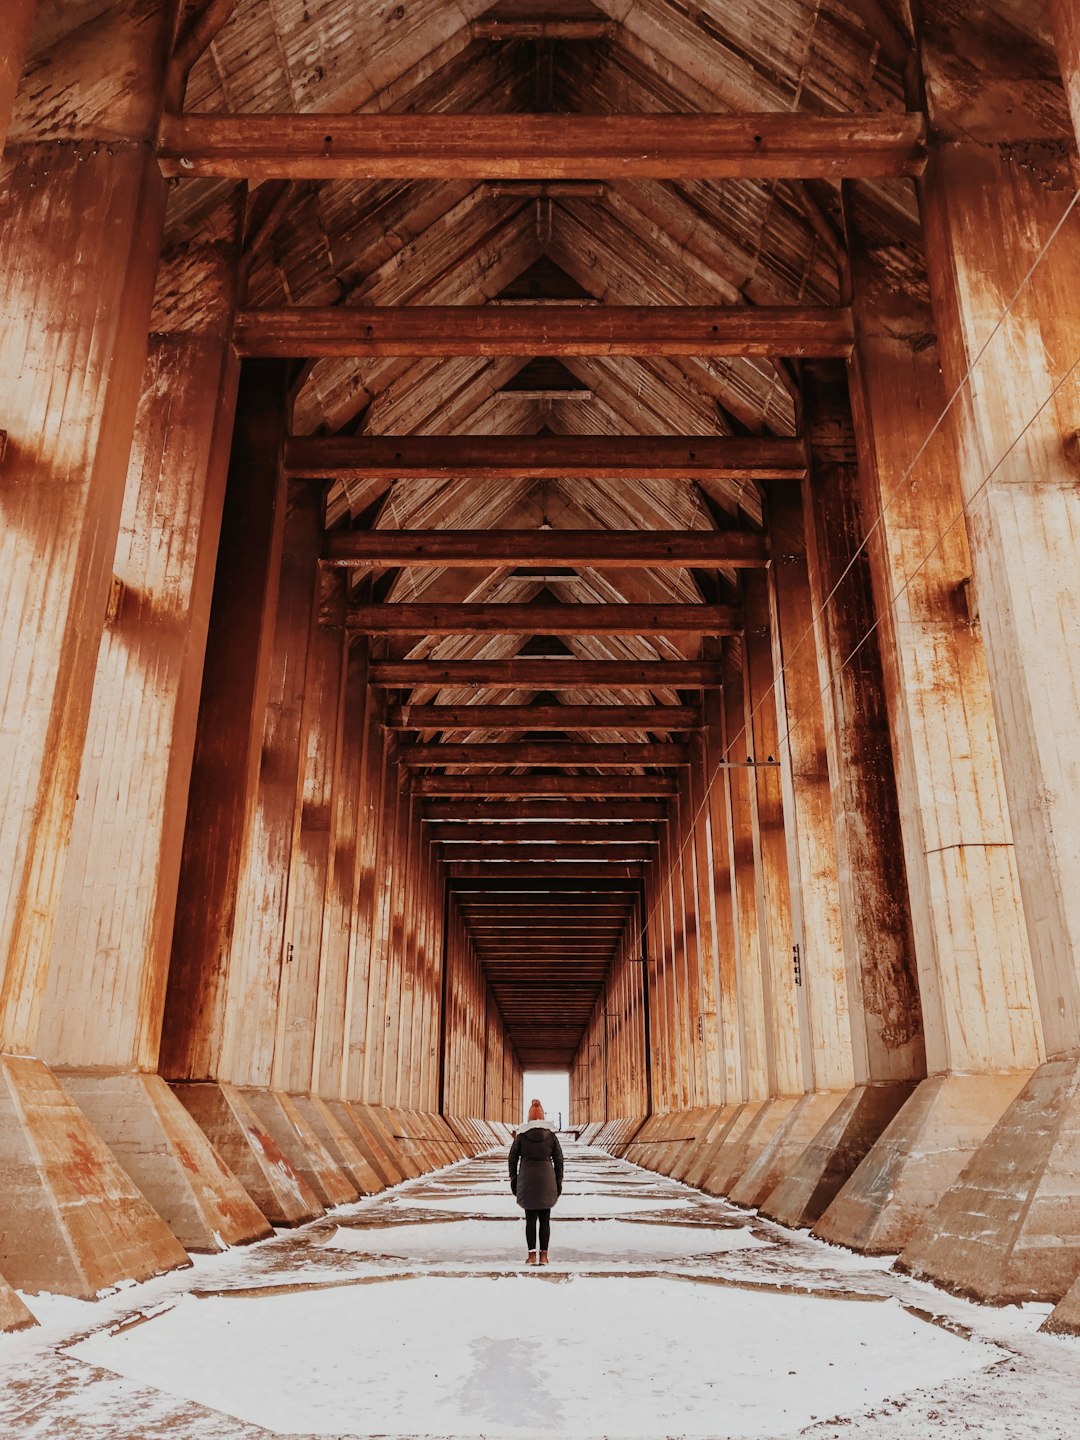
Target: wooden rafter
{"type": "Point", "coordinates": [706, 549]}
{"type": "Point", "coordinates": [542, 147]}
{"type": "Point", "coordinates": [545, 783]}
{"type": "Point", "coordinates": [545, 752]}
{"type": "Point", "coordinates": [540, 674]}
{"type": "Point", "coordinates": [444, 331]}
{"type": "Point", "coordinates": [539, 619]}
{"type": "Point", "coordinates": [500, 812]}
{"type": "Point", "coordinates": [543, 717]}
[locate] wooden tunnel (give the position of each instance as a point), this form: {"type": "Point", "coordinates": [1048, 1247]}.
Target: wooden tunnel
{"type": "Point", "coordinates": [540, 536]}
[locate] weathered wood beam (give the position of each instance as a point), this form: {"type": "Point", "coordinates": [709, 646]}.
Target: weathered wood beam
{"type": "Point", "coordinates": [529, 834]}
{"type": "Point", "coordinates": [543, 20]}
{"type": "Point", "coordinates": [542, 619]}
{"type": "Point", "coordinates": [546, 783]}
{"type": "Point", "coordinates": [443, 331]}
{"type": "Point", "coordinates": [494, 812]}
{"type": "Point", "coordinates": [515, 854]}
{"type": "Point", "coordinates": [545, 457]}
{"type": "Point", "coordinates": [541, 674]}
{"type": "Point", "coordinates": [545, 752]}
{"type": "Point", "coordinates": [554, 885]}
{"type": "Point", "coordinates": [543, 717]}
{"type": "Point", "coordinates": [573, 871]}
{"type": "Point", "coordinates": [600, 549]}
{"type": "Point", "coordinates": [774, 146]}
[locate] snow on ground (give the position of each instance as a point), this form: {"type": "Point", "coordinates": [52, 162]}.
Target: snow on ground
{"type": "Point", "coordinates": [410, 1314]}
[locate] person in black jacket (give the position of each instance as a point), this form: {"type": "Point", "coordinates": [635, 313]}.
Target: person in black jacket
{"type": "Point", "coordinates": [536, 1177]}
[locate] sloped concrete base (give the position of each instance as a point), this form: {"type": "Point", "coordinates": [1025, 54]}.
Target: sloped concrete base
{"type": "Point", "coordinates": [835, 1153]}
{"type": "Point", "coordinates": [918, 1157]}
{"type": "Point", "coordinates": [250, 1151]}
{"type": "Point", "coordinates": [1009, 1229]}
{"type": "Point", "coordinates": [784, 1150]}
{"type": "Point", "coordinates": [712, 1121]}
{"type": "Point", "coordinates": [71, 1219]}
{"type": "Point", "coordinates": [708, 1148]}
{"type": "Point", "coordinates": [13, 1313]}
{"type": "Point", "coordinates": [379, 1120]}
{"type": "Point", "coordinates": [342, 1144]}
{"type": "Point", "coordinates": [1066, 1317]}
{"type": "Point", "coordinates": [299, 1143]}
{"type": "Point", "coordinates": [370, 1140]}
{"type": "Point", "coordinates": [716, 1171]}
{"type": "Point", "coordinates": [169, 1159]}
{"type": "Point", "coordinates": [757, 1138]}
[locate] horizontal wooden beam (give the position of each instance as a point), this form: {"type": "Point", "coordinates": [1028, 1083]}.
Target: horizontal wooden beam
{"type": "Point", "coordinates": [512, 854]}
{"type": "Point", "coordinates": [579, 870]}
{"type": "Point", "coordinates": [546, 783]}
{"type": "Point", "coordinates": [547, 674]}
{"type": "Point", "coordinates": [496, 812]}
{"type": "Point", "coordinates": [444, 331]}
{"type": "Point", "coordinates": [545, 457]}
{"type": "Point", "coordinates": [543, 832]}
{"type": "Point", "coordinates": [773, 146]}
{"type": "Point", "coordinates": [546, 752]}
{"type": "Point", "coordinates": [542, 717]}
{"type": "Point", "coordinates": [550, 22]}
{"type": "Point", "coordinates": [600, 549]}
{"type": "Point", "coordinates": [541, 619]}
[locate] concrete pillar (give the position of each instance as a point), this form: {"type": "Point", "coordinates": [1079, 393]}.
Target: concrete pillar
{"type": "Point", "coordinates": [888, 1055]}
{"type": "Point", "coordinates": [80, 232]}
{"type": "Point", "coordinates": [1003, 244]}
{"type": "Point", "coordinates": [980, 1031]}
{"type": "Point", "coordinates": [819, 966]}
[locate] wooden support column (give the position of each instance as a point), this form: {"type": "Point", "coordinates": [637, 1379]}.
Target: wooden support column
{"type": "Point", "coordinates": [980, 1032]}
{"type": "Point", "coordinates": [362, 897]}
{"type": "Point", "coordinates": [1003, 248]}
{"type": "Point", "coordinates": [80, 231]}
{"type": "Point", "coordinates": [115, 921]}
{"type": "Point", "coordinates": [888, 1054]}
{"type": "Point", "coordinates": [220, 1005]}
{"type": "Point", "coordinates": [818, 960]}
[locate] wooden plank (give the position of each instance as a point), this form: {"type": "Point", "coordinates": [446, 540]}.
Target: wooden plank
{"type": "Point", "coordinates": [443, 331]}
{"type": "Point", "coordinates": [576, 871]}
{"type": "Point", "coordinates": [540, 619]}
{"type": "Point", "coordinates": [512, 854]}
{"type": "Point", "coordinates": [545, 783]}
{"type": "Point", "coordinates": [495, 812]}
{"type": "Point", "coordinates": [612, 549]}
{"type": "Point", "coordinates": [546, 674]}
{"type": "Point", "coordinates": [538, 752]}
{"type": "Point", "coordinates": [545, 457]}
{"type": "Point", "coordinates": [543, 717]}
{"type": "Point", "coordinates": [471, 834]}
{"type": "Point", "coordinates": [18, 20]}
{"type": "Point", "coordinates": [543, 20]}
{"type": "Point", "coordinates": [542, 147]}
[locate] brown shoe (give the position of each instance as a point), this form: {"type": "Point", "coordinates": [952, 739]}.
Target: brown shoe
{"type": "Point", "coordinates": [531, 1259]}
{"type": "Point", "coordinates": [543, 1258]}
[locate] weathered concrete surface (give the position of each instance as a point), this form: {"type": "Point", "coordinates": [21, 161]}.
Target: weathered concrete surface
{"type": "Point", "coordinates": [758, 1137]}
{"type": "Point", "coordinates": [13, 1313]}
{"type": "Point", "coordinates": [299, 1143]}
{"type": "Point", "coordinates": [374, 1122]}
{"type": "Point", "coordinates": [356, 1123]}
{"type": "Point", "coordinates": [918, 1157]}
{"type": "Point", "coordinates": [169, 1158]}
{"type": "Point", "coordinates": [1065, 1319]}
{"type": "Point", "coordinates": [72, 1221]}
{"type": "Point", "coordinates": [709, 1126]}
{"type": "Point", "coordinates": [254, 1157]}
{"type": "Point", "coordinates": [776, 1161]}
{"type": "Point", "coordinates": [719, 1167]}
{"type": "Point", "coordinates": [709, 1145]}
{"type": "Point", "coordinates": [1009, 1229]}
{"type": "Point", "coordinates": [836, 1152]}
{"type": "Point", "coordinates": [342, 1144]}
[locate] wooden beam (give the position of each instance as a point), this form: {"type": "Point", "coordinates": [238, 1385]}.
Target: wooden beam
{"type": "Point", "coordinates": [573, 871]}
{"type": "Point", "coordinates": [511, 854]}
{"type": "Point", "coordinates": [773, 146]}
{"type": "Point", "coordinates": [545, 457]}
{"type": "Point", "coordinates": [495, 812]}
{"type": "Point", "coordinates": [547, 674]}
{"type": "Point", "coordinates": [545, 752]}
{"type": "Point", "coordinates": [601, 549]}
{"type": "Point", "coordinates": [545, 783]}
{"type": "Point", "coordinates": [443, 331]}
{"type": "Point", "coordinates": [543, 717]}
{"type": "Point", "coordinates": [543, 20]}
{"type": "Point", "coordinates": [542, 619]}
{"type": "Point", "coordinates": [554, 885]}
{"type": "Point", "coordinates": [529, 834]}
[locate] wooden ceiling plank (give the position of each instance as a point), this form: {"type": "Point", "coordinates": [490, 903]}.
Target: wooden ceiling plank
{"type": "Point", "coordinates": [546, 783]}
{"type": "Point", "coordinates": [541, 674]}
{"type": "Point", "coordinates": [542, 619]}
{"type": "Point", "coordinates": [495, 812]}
{"type": "Point", "coordinates": [546, 752]}
{"type": "Point", "coordinates": [527, 834]}
{"type": "Point", "coordinates": [543, 717]}
{"type": "Point", "coordinates": [540, 457]}
{"type": "Point", "coordinates": [444, 331]}
{"type": "Point", "coordinates": [612, 549]}
{"type": "Point", "coordinates": [775, 145]}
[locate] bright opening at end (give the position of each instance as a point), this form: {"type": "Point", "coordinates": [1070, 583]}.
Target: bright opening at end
{"type": "Point", "coordinates": [552, 1089]}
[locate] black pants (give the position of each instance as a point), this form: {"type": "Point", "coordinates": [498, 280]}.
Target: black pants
{"type": "Point", "coordinates": [531, 1217]}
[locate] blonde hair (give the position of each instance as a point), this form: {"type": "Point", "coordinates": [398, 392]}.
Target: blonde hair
{"type": "Point", "coordinates": [536, 1110]}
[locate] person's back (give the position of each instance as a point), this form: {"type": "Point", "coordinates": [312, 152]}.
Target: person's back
{"type": "Point", "coordinates": [536, 1178]}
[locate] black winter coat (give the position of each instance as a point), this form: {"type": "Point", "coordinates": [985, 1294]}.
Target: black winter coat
{"type": "Point", "coordinates": [536, 1165]}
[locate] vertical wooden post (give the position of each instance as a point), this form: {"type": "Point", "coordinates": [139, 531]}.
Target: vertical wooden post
{"type": "Point", "coordinates": [80, 233]}
{"type": "Point", "coordinates": [1002, 227]}
{"type": "Point", "coordinates": [886, 1020]}
{"type": "Point", "coordinates": [980, 1032]}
